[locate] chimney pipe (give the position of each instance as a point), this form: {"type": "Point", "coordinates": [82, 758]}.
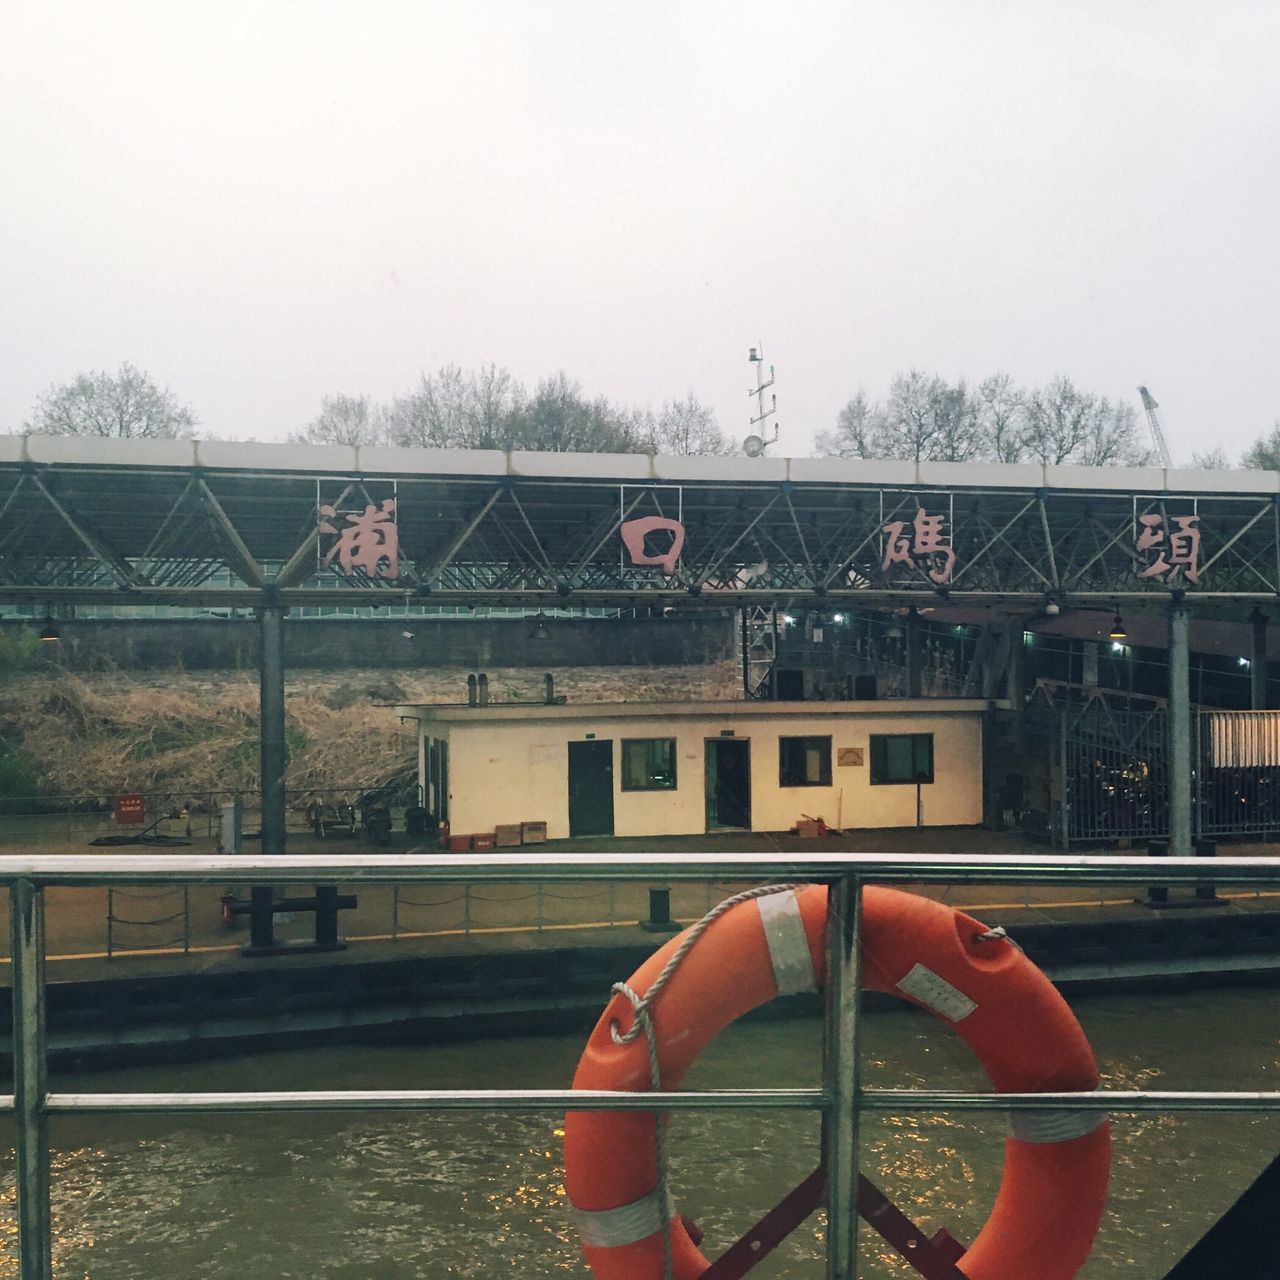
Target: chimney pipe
{"type": "Point", "coordinates": [482, 687]}
{"type": "Point", "coordinates": [471, 691]}
{"type": "Point", "coordinates": [551, 687]}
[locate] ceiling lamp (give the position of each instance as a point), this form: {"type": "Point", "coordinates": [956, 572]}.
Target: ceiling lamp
{"type": "Point", "coordinates": [1117, 631]}
{"type": "Point", "coordinates": [893, 631]}
{"type": "Point", "coordinates": [49, 633]}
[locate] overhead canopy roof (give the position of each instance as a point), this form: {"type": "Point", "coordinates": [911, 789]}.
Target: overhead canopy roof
{"type": "Point", "coordinates": [214, 523]}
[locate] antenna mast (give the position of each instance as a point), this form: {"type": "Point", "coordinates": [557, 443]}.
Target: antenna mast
{"type": "Point", "coordinates": [754, 445]}
{"type": "Point", "coordinates": [1157, 432]}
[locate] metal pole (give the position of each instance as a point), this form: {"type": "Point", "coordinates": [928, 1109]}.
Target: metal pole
{"type": "Point", "coordinates": [840, 1077]}
{"type": "Point", "coordinates": [1258, 662]}
{"type": "Point", "coordinates": [746, 653]}
{"type": "Point", "coordinates": [271, 703]}
{"type": "Point", "coordinates": [1016, 679]}
{"type": "Point", "coordinates": [30, 1082]}
{"type": "Point", "coordinates": [1179, 729]}
{"type": "Point", "coordinates": [915, 664]}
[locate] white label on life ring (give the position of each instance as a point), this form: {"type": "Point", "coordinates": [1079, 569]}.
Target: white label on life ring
{"type": "Point", "coordinates": [936, 993]}
{"type": "Point", "coordinates": [788, 943]}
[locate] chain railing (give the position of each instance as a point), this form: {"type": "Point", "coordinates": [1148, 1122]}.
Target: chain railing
{"type": "Point", "coordinates": [840, 1099]}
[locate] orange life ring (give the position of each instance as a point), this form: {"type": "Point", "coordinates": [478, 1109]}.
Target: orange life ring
{"type": "Point", "coordinates": [1052, 1194]}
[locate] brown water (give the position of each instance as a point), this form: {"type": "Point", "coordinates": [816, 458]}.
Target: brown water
{"type": "Point", "coordinates": [469, 1195]}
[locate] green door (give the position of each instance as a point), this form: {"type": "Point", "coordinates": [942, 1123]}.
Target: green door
{"type": "Point", "coordinates": [591, 788]}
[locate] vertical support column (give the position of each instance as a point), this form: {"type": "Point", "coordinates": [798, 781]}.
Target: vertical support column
{"type": "Point", "coordinates": [744, 639]}
{"type": "Point", "coordinates": [915, 658]}
{"type": "Point", "coordinates": [271, 710]}
{"type": "Point", "coordinates": [1015, 685]}
{"type": "Point", "coordinates": [30, 1081]}
{"type": "Point", "coordinates": [1258, 662]}
{"type": "Point", "coordinates": [1179, 729]}
{"type": "Point", "coordinates": [840, 1076]}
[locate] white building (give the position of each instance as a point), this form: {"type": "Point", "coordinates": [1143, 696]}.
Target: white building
{"type": "Point", "coordinates": [635, 769]}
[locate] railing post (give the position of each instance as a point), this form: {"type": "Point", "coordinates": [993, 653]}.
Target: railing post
{"type": "Point", "coordinates": [30, 1081]}
{"type": "Point", "coordinates": [840, 1076]}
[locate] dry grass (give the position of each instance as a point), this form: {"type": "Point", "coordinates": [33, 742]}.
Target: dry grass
{"type": "Point", "coordinates": [187, 733]}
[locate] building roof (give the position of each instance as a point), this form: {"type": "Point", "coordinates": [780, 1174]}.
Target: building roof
{"type": "Point", "coordinates": [506, 712]}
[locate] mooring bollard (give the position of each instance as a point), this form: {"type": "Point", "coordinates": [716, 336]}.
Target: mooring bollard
{"type": "Point", "coordinates": [1206, 849]}
{"type": "Point", "coordinates": [1157, 894]}
{"type": "Point", "coordinates": [660, 920]}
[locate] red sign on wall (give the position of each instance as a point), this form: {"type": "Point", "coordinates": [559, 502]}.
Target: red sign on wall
{"type": "Point", "coordinates": [130, 809]}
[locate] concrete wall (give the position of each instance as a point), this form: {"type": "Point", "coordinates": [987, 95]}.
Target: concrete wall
{"type": "Point", "coordinates": [334, 643]}
{"type": "Point", "coordinates": [517, 772]}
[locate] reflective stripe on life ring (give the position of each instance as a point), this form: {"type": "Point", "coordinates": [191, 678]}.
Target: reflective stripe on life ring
{"type": "Point", "coordinates": [1051, 1196]}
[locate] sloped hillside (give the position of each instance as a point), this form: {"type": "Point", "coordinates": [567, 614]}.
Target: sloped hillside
{"type": "Point", "coordinates": [90, 735]}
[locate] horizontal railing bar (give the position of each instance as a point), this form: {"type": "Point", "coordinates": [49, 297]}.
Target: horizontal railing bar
{"type": "Point", "coordinates": [1115, 1100]}
{"type": "Point", "coordinates": [871, 868]}
{"type": "Point", "coordinates": [436, 1100]}
{"type": "Point", "coordinates": [1106, 1100]}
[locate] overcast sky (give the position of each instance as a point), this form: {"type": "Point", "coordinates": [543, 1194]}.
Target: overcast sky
{"type": "Point", "coordinates": [260, 203]}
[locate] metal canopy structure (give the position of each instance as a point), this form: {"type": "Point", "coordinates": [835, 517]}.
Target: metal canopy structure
{"type": "Point", "coordinates": [211, 523]}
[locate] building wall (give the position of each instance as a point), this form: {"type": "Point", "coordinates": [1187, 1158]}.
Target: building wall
{"type": "Point", "coordinates": [518, 772]}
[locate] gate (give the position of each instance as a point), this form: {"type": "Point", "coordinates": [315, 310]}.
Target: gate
{"type": "Point", "coordinates": [1108, 765]}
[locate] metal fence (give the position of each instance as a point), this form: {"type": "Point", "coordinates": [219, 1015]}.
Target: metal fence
{"type": "Point", "coordinates": [840, 1099]}
{"type": "Point", "coordinates": [1238, 773]}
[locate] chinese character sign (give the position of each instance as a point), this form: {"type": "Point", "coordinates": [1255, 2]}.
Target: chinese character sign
{"type": "Point", "coordinates": [370, 541]}
{"type": "Point", "coordinates": [1171, 554]}
{"type": "Point", "coordinates": [920, 543]}
{"type": "Point", "coordinates": [634, 533]}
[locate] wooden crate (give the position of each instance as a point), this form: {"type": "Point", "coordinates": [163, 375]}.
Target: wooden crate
{"type": "Point", "coordinates": [533, 832]}
{"type": "Point", "coordinates": [459, 844]}
{"type": "Point", "coordinates": [483, 840]}
{"type": "Point", "coordinates": [507, 835]}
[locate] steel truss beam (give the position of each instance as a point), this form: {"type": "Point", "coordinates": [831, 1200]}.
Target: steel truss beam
{"type": "Point", "coordinates": [208, 538]}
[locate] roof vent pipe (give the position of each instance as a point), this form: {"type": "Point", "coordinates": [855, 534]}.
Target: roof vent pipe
{"type": "Point", "coordinates": [482, 688]}
{"type": "Point", "coordinates": [471, 691]}
{"type": "Point", "coordinates": [551, 687]}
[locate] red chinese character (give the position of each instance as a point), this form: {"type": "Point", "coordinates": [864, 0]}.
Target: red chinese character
{"type": "Point", "coordinates": [1183, 548]}
{"type": "Point", "coordinates": [370, 541]}
{"type": "Point", "coordinates": [924, 541]}
{"type": "Point", "coordinates": [633, 536]}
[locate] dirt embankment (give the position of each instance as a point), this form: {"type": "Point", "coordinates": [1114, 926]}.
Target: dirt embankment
{"type": "Point", "coordinates": [179, 732]}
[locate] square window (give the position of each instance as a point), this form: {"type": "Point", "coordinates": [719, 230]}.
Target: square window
{"type": "Point", "coordinates": [648, 764]}
{"type": "Point", "coordinates": [901, 758]}
{"type": "Point", "coordinates": [804, 762]}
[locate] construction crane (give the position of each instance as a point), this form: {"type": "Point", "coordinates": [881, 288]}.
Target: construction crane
{"type": "Point", "coordinates": [1157, 432]}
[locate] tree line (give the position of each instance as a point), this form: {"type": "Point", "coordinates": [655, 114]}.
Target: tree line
{"type": "Point", "coordinates": [924, 418]}
{"type": "Point", "coordinates": [452, 408]}
{"type": "Point", "coordinates": [487, 408]}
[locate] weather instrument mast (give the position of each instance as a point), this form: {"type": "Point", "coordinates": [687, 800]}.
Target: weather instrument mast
{"type": "Point", "coordinates": [1157, 432]}
{"type": "Point", "coordinates": [754, 445]}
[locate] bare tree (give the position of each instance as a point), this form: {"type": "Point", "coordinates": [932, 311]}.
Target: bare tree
{"type": "Point", "coordinates": [558, 417]}
{"type": "Point", "coordinates": [436, 413]}
{"type": "Point", "coordinates": [1065, 424]}
{"type": "Point", "coordinates": [1214, 460]}
{"type": "Point", "coordinates": [859, 430]}
{"type": "Point", "coordinates": [928, 419]}
{"type": "Point", "coordinates": [1264, 453]}
{"type": "Point", "coordinates": [343, 419]}
{"type": "Point", "coordinates": [1001, 410]}
{"type": "Point", "coordinates": [684, 427]}
{"type": "Point", "coordinates": [125, 405]}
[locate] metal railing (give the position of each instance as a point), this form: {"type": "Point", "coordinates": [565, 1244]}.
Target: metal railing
{"type": "Point", "coordinates": [840, 1099]}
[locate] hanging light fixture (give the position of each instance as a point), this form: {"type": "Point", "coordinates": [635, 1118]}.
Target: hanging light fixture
{"type": "Point", "coordinates": [49, 633]}
{"type": "Point", "coordinates": [893, 631]}
{"type": "Point", "coordinates": [1117, 631]}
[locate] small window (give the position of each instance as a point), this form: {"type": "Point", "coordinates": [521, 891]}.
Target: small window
{"type": "Point", "coordinates": [901, 758]}
{"type": "Point", "coordinates": [648, 764]}
{"type": "Point", "coordinates": [804, 762]}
